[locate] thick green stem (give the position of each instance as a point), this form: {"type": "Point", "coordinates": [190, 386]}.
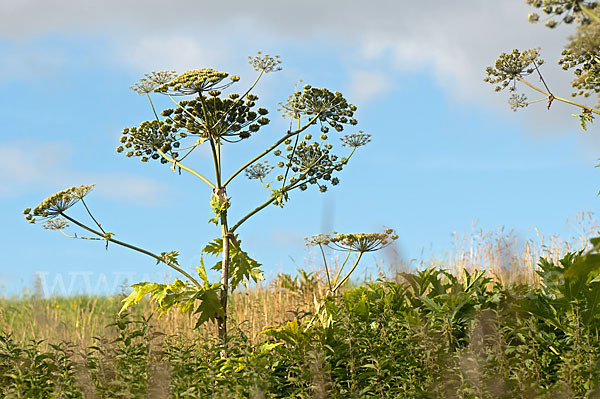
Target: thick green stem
{"type": "Point", "coordinates": [222, 321]}
{"type": "Point", "coordinates": [215, 155]}
{"type": "Point", "coordinates": [221, 194]}
{"type": "Point", "coordinates": [124, 244]}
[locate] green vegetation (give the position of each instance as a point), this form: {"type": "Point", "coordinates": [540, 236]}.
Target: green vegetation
{"type": "Point", "coordinates": [426, 334]}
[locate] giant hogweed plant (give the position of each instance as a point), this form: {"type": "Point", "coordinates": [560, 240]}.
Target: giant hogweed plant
{"type": "Point", "coordinates": [207, 112]}
{"type": "Point", "coordinates": [581, 55]}
{"type": "Point", "coordinates": [326, 311]}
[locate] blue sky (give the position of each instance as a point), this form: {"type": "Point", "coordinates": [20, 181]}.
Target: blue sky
{"type": "Point", "coordinates": [446, 150]}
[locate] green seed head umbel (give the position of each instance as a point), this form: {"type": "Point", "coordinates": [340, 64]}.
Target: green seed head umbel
{"type": "Point", "coordinates": [355, 242]}
{"type": "Point", "coordinates": [265, 63]}
{"type": "Point", "coordinates": [57, 203]}
{"type": "Point", "coordinates": [196, 82]}
{"type": "Point", "coordinates": [152, 80]}
{"type": "Point", "coordinates": [509, 67]}
{"type": "Point", "coordinates": [258, 170]}
{"type": "Point", "coordinates": [581, 55]}
{"type": "Point", "coordinates": [555, 12]}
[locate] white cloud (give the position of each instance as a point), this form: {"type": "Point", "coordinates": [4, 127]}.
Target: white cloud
{"type": "Point", "coordinates": [452, 40]}
{"type": "Point", "coordinates": [172, 52]}
{"type": "Point", "coordinates": [366, 85]}
{"type": "Point", "coordinates": [458, 39]}
{"type": "Point", "coordinates": [25, 167]}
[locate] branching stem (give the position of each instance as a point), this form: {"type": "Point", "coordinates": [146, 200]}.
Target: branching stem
{"type": "Point", "coordinates": [192, 171]}
{"type": "Point", "coordinates": [347, 276]}
{"type": "Point", "coordinates": [92, 216]}
{"type": "Point", "coordinates": [557, 98]}
{"type": "Point", "coordinates": [588, 12]}
{"type": "Point", "coordinates": [271, 200]}
{"type": "Point", "coordinates": [249, 215]}
{"type": "Point", "coordinates": [339, 273]}
{"type": "Point", "coordinates": [124, 244]}
{"type": "Point", "coordinates": [326, 268]}
{"type": "Point", "coordinates": [271, 148]}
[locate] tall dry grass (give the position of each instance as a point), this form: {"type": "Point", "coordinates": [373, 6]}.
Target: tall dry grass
{"type": "Point", "coordinates": [508, 257]}
{"type": "Point", "coordinates": [79, 319]}
{"type": "Point", "coordinates": [512, 258]}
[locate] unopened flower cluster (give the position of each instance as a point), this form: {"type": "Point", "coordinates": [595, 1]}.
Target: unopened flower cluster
{"type": "Point", "coordinates": [197, 81]}
{"type": "Point", "coordinates": [582, 55]}
{"type": "Point", "coordinates": [566, 11]}
{"type": "Point", "coordinates": [57, 203]}
{"type": "Point", "coordinates": [355, 242]}
{"type": "Point", "coordinates": [265, 63]}
{"type": "Point", "coordinates": [229, 119]}
{"type": "Point", "coordinates": [310, 162]}
{"type": "Point", "coordinates": [259, 170]}
{"type": "Point", "coordinates": [331, 108]}
{"type": "Point", "coordinates": [145, 140]}
{"type": "Point", "coordinates": [509, 67]}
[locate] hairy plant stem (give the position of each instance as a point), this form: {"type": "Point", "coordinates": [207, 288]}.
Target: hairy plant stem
{"type": "Point", "coordinates": [219, 191]}
{"type": "Point", "coordinates": [124, 244]}
{"type": "Point", "coordinates": [222, 322]}
{"type": "Point", "coordinates": [221, 194]}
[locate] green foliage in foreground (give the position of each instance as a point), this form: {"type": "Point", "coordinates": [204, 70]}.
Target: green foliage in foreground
{"type": "Point", "coordinates": [430, 335]}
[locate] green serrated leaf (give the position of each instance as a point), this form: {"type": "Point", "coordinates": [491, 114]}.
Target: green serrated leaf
{"type": "Point", "coordinates": [214, 247]}
{"type": "Point", "coordinates": [243, 268]}
{"type": "Point", "coordinates": [210, 307]}
{"type": "Point", "coordinates": [139, 291]}
{"type": "Point", "coordinates": [202, 272]}
{"type": "Point", "coordinates": [218, 207]}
